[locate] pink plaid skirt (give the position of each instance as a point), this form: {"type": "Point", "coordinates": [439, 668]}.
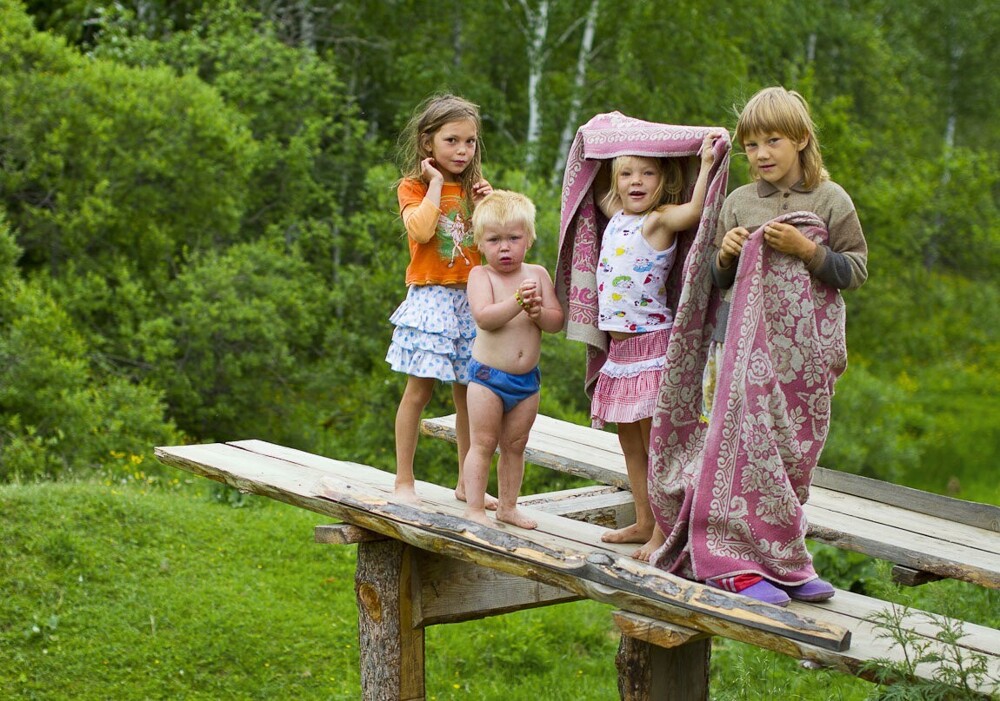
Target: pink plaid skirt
{"type": "Point", "coordinates": [629, 382]}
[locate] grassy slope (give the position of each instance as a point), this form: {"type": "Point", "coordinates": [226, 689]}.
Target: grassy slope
{"type": "Point", "coordinates": [130, 594]}
{"type": "Point", "coordinates": [124, 594]}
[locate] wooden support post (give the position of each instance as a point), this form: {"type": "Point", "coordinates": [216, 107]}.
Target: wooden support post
{"type": "Point", "coordinates": [662, 662]}
{"type": "Point", "coordinates": [392, 650]}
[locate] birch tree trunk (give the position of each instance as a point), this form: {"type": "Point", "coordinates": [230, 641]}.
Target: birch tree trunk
{"type": "Point", "coordinates": [537, 27]}
{"type": "Point", "coordinates": [579, 79]}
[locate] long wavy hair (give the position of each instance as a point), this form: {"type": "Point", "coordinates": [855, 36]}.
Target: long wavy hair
{"type": "Point", "coordinates": [786, 112]}
{"type": "Point", "coordinates": [429, 116]}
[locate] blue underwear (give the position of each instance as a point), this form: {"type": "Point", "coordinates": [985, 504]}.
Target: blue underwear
{"type": "Point", "coordinates": [512, 389]}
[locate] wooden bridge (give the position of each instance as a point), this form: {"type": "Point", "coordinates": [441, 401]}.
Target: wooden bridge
{"type": "Point", "coordinates": [426, 565]}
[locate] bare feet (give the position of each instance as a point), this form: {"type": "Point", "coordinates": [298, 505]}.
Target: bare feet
{"type": "Point", "coordinates": [645, 553]}
{"type": "Point", "coordinates": [629, 534]}
{"type": "Point", "coordinates": [516, 517]}
{"type": "Point", "coordinates": [480, 517]}
{"type": "Point", "coordinates": [406, 494]}
{"type": "Point", "coordinates": [491, 502]}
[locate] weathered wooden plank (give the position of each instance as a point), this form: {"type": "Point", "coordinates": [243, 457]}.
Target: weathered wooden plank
{"type": "Point", "coordinates": [940, 529]}
{"type": "Point", "coordinates": [842, 517]}
{"type": "Point", "coordinates": [870, 643]}
{"type": "Point", "coordinates": [435, 497]}
{"type": "Point", "coordinates": [915, 550]}
{"type": "Point", "coordinates": [554, 560]}
{"type": "Point", "coordinates": [978, 515]}
{"type": "Point", "coordinates": [603, 576]}
{"type": "Point", "coordinates": [239, 467]}
{"type": "Point", "coordinates": [451, 591]}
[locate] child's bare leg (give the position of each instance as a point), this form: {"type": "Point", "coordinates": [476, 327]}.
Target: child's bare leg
{"type": "Point", "coordinates": [460, 394]}
{"type": "Point", "coordinates": [486, 415]}
{"type": "Point", "coordinates": [417, 393]}
{"type": "Point", "coordinates": [510, 468]}
{"type": "Point", "coordinates": [635, 445]}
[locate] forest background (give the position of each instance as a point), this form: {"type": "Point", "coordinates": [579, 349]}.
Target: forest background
{"type": "Point", "coordinates": [199, 241]}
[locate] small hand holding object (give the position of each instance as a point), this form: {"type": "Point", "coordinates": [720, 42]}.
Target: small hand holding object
{"type": "Point", "coordinates": [528, 298]}
{"type": "Point", "coordinates": [707, 151]}
{"type": "Point", "coordinates": [429, 171]}
{"type": "Point", "coordinates": [480, 190]}
{"type": "Point", "coordinates": [785, 238]}
{"type": "Point", "coordinates": [732, 245]}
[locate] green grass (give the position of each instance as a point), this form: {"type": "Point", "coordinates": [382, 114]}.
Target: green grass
{"type": "Point", "coordinates": [127, 592]}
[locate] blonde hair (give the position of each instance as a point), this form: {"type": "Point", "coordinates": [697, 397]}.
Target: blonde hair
{"type": "Point", "coordinates": [503, 208]}
{"type": "Point", "coordinates": [668, 192]}
{"type": "Point", "coordinates": [786, 112]}
{"type": "Point", "coordinates": [429, 116]}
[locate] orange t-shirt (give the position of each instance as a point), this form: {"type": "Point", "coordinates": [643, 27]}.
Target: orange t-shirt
{"type": "Point", "coordinates": [450, 254]}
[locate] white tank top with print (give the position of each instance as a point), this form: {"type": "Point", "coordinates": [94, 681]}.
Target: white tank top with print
{"type": "Point", "coordinates": [631, 278]}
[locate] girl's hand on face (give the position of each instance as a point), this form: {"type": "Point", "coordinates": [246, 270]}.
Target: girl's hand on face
{"type": "Point", "coordinates": [481, 190]}
{"type": "Point", "coordinates": [707, 152]}
{"type": "Point", "coordinates": [429, 171]}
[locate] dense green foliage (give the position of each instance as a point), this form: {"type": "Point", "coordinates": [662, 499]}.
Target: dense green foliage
{"type": "Point", "coordinates": [202, 241]}
{"type": "Point", "coordinates": [199, 241]}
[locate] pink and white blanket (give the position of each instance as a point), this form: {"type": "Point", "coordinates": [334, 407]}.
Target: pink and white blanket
{"type": "Point", "coordinates": [602, 138]}
{"type": "Point", "coordinates": [729, 495]}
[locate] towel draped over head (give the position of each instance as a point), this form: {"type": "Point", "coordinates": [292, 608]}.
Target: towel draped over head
{"type": "Point", "coordinates": [581, 225]}
{"type": "Point", "coordinates": [728, 495]}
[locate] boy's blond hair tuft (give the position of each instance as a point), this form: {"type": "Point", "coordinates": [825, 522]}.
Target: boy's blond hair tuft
{"type": "Point", "coordinates": [786, 112]}
{"type": "Point", "coordinates": [502, 208]}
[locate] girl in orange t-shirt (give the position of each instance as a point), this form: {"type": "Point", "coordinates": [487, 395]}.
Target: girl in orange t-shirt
{"type": "Point", "coordinates": [442, 181]}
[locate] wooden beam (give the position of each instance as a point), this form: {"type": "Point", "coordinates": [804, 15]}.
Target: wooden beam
{"type": "Point", "coordinates": [605, 506]}
{"type": "Point", "coordinates": [347, 492]}
{"type": "Point", "coordinates": [909, 577]}
{"type": "Point", "coordinates": [447, 590]}
{"type": "Point", "coordinates": [291, 476]}
{"type": "Point", "coordinates": [391, 649]}
{"type": "Point", "coordinates": [344, 534]}
{"type": "Point", "coordinates": [653, 631]}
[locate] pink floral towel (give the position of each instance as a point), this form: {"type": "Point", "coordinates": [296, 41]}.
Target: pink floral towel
{"type": "Point", "coordinates": [729, 495]}
{"type": "Point", "coordinates": [604, 137]}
